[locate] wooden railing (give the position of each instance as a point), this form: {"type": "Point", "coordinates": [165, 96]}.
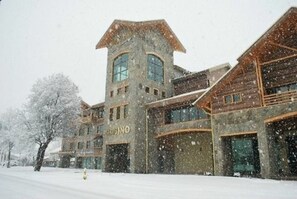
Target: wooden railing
{"type": "Point", "coordinates": [280, 98]}
{"type": "Point", "coordinates": [86, 119]}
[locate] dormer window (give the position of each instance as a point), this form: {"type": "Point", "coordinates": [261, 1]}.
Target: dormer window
{"type": "Point", "coordinates": [120, 68]}
{"type": "Point", "coordinates": [155, 68]}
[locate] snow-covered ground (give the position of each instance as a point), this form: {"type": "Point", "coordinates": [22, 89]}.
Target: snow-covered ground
{"type": "Point", "coordinates": [56, 183]}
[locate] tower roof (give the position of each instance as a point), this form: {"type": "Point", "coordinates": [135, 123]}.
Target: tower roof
{"type": "Point", "coordinates": [160, 25]}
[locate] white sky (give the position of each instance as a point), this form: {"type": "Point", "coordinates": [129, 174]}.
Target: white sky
{"type": "Point", "coordinates": [42, 37]}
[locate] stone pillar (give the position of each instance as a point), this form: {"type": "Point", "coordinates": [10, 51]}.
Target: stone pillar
{"type": "Point", "coordinates": [264, 152]}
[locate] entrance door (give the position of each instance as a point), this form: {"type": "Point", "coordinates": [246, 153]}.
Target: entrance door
{"type": "Point", "coordinates": [245, 155]}
{"type": "Point", "coordinates": [117, 158]}
{"type": "Point", "coordinates": [292, 153]}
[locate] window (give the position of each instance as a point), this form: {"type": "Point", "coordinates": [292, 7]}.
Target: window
{"type": "Point", "coordinates": [111, 94]}
{"type": "Point", "coordinates": [228, 99]}
{"type": "Point", "coordinates": [81, 132]}
{"type": "Point", "coordinates": [232, 98]}
{"type": "Point", "coordinates": [88, 144]}
{"type": "Point", "coordinates": [282, 89]}
{"type": "Point", "coordinates": [88, 130]}
{"type": "Point", "coordinates": [236, 97]}
{"type": "Point", "coordinates": [71, 146]}
{"type": "Point", "coordinates": [100, 128]}
{"type": "Point", "coordinates": [155, 69]}
{"type": "Point", "coordinates": [80, 145]}
{"type": "Point", "coordinates": [183, 114]}
{"type": "Point", "coordinates": [126, 89]}
{"type": "Point", "coordinates": [111, 114]}
{"type": "Point", "coordinates": [120, 68]}
{"type": "Point", "coordinates": [101, 112]}
{"type": "Point", "coordinates": [119, 90]}
{"type": "Point", "coordinates": [126, 111]}
{"type": "Point", "coordinates": [156, 92]}
{"type": "Point", "coordinates": [147, 89]}
{"type": "Point", "coordinates": [118, 112]}
{"type": "Point", "coordinates": [98, 143]}
{"type": "Point", "coordinates": [163, 94]}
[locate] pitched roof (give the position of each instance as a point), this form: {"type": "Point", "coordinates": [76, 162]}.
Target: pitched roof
{"type": "Point", "coordinates": [274, 31]}
{"type": "Point", "coordinates": [161, 25]}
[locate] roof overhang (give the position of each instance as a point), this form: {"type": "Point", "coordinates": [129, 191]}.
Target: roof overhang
{"type": "Point", "coordinates": [161, 25]}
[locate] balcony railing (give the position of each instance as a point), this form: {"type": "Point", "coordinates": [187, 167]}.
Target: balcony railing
{"type": "Point", "coordinates": [280, 98]}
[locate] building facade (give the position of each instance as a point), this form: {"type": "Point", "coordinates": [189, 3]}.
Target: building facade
{"type": "Point", "coordinates": [84, 148]}
{"type": "Point", "coordinates": [161, 118]}
{"type": "Point", "coordinates": [253, 107]}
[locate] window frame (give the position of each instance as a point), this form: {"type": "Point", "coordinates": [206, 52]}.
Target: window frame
{"type": "Point", "coordinates": [232, 97]}
{"type": "Point", "coordinates": [155, 65]}
{"type": "Point", "coordinates": [120, 70]}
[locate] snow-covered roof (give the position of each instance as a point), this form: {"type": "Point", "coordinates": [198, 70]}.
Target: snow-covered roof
{"type": "Point", "coordinates": [161, 25]}
{"type": "Point", "coordinates": [176, 99]}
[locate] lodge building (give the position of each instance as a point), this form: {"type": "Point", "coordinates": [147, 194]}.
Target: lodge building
{"type": "Point", "coordinates": [161, 118]}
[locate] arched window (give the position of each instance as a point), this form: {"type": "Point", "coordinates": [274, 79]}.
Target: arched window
{"type": "Point", "coordinates": [120, 68]}
{"type": "Point", "coordinates": [155, 68]}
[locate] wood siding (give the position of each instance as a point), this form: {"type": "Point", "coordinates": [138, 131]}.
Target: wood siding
{"type": "Point", "coordinates": [190, 84]}
{"type": "Point", "coordinates": [245, 83]}
{"type": "Point", "coordinates": [280, 73]}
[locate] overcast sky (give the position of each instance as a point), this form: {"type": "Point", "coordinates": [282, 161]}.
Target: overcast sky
{"type": "Point", "coordinates": [42, 37]}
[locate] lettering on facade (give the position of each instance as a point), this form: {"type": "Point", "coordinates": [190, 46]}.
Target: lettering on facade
{"type": "Point", "coordinates": [118, 131]}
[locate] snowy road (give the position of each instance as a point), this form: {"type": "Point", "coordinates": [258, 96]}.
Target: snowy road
{"type": "Point", "coordinates": [12, 187]}
{"type": "Point", "coordinates": [55, 183]}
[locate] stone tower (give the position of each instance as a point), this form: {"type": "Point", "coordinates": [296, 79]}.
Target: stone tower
{"type": "Point", "coordinates": [139, 71]}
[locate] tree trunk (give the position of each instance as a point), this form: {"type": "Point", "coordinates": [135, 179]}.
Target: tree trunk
{"type": "Point", "coordinates": [40, 156]}
{"type": "Point", "coordinates": [8, 158]}
{"type": "Point", "coordinates": [10, 146]}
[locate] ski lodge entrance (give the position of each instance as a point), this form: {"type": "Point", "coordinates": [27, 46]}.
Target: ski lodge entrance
{"type": "Point", "coordinates": [117, 158]}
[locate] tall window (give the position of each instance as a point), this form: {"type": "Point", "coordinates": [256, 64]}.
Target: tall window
{"type": "Point", "coordinates": [155, 68]}
{"type": "Point", "coordinates": [111, 114]}
{"type": "Point", "coordinates": [125, 111]}
{"type": "Point", "coordinates": [120, 68]}
{"type": "Point", "coordinates": [118, 116]}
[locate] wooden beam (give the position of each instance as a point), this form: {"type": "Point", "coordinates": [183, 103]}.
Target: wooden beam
{"type": "Point", "coordinates": [281, 117]}
{"type": "Point", "coordinates": [182, 131]}
{"type": "Point", "coordinates": [283, 46]}
{"type": "Point", "coordinates": [239, 133]}
{"type": "Point", "coordinates": [260, 81]}
{"type": "Point", "coordinates": [279, 59]}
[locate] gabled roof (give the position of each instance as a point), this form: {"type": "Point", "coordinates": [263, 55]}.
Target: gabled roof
{"type": "Point", "coordinates": [161, 25]}
{"type": "Point", "coordinates": [277, 30]}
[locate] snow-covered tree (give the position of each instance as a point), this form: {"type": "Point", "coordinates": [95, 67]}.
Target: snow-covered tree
{"type": "Point", "coordinates": [52, 111]}
{"type": "Point", "coordinates": [10, 132]}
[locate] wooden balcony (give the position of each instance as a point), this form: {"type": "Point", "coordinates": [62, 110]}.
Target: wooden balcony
{"type": "Point", "coordinates": [86, 119]}
{"type": "Point", "coordinates": [280, 98]}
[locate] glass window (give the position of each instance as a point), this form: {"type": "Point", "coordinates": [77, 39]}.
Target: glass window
{"type": "Point", "coordinates": [125, 111]}
{"type": "Point", "coordinates": [155, 68]}
{"type": "Point", "coordinates": [236, 98]}
{"type": "Point", "coordinates": [88, 144]}
{"type": "Point", "coordinates": [118, 112]}
{"type": "Point", "coordinates": [228, 99]}
{"type": "Point", "coordinates": [184, 114]}
{"type": "Point", "coordinates": [88, 130]}
{"type": "Point", "coordinates": [101, 112]}
{"type": "Point", "coordinates": [120, 68]}
{"type": "Point", "coordinates": [71, 147]}
{"type": "Point", "coordinates": [111, 114]}
{"type": "Point", "coordinates": [100, 128]}
{"type": "Point", "coordinates": [156, 92]}
{"type": "Point", "coordinates": [80, 145]}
